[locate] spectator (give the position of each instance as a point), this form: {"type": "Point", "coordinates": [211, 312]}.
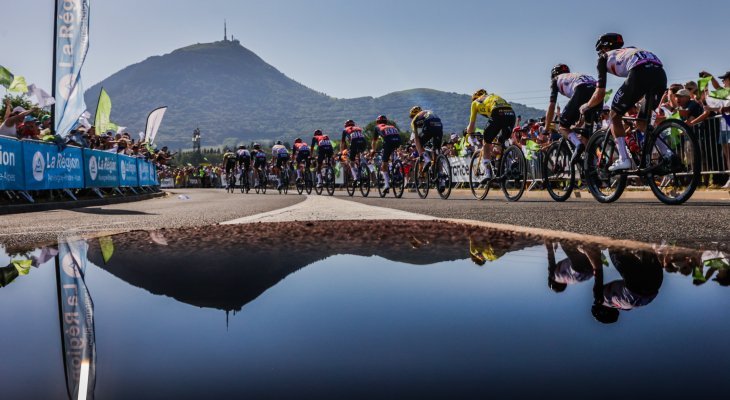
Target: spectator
{"type": "Point", "coordinates": [14, 117]}
{"type": "Point", "coordinates": [29, 128]}
{"type": "Point", "coordinates": [690, 110]}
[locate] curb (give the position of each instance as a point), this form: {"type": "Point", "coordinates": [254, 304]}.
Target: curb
{"type": "Point", "coordinates": [68, 205]}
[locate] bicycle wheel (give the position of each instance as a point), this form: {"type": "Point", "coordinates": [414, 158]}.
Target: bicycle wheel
{"type": "Point", "coordinates": [300, 185]}
{"type": "Point", "coordinates": [558, 172]}
{"type": "Point", "coordinates": [365, 178]}
{"type": "Point", "coordinates": [513, 170]}
{"type": "Point", "coordinates": [350, 182]}
{"type": "Point", "coordinates": [673, 178]}
{"type": "Point", "coordinates": [242, 180]}
{"type": "Point", "coordinates": [328, 179]}
{"type": "Point", "coordinates": [397, 179]}
{"type": "Point", "coordinates": [319, 187]}
{"type": "Point", "coordinates": [258, 182]}
{"type": "Point", "coordinates": [477, 172]}
{"type": "Point", "coordinates": [444, 176]}
{"type": "Point", "coordinates": [380, 184]}
{"type": "Point", "coordinates": [601, 152]}
{"type": "Point", "coordinates": [308, 181]}
{"type": "Point", "coordinates": [422, 179]}
{"type": "Point", "coordinates": [264, 181]}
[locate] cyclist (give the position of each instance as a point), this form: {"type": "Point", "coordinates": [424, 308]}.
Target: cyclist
{"type": "Point", "coordinates": [259, 161]}
{"type": "Point", "coordinates": [579, 88]}
{"type": "Point", "coordinates": [281, 155]}
{"type": "Point", "coordinates": [300, 153]}
{"type": "Point", "coordinates": [358, 143]}
{"type": "Point", "coordinates": [426, 127]}
{"type": "Point", "coordinates": [229, 161]}
{"type": "Point", "coordinates": [324, 151]}
{"type": "Point", "coordinates": [645, 77]}
{"type": "Point", "coordinates": [502, 120]}
{"type": "Point", "coordinates": [244, 159]}
{"type": "Point", "coordinates": [391, 141]}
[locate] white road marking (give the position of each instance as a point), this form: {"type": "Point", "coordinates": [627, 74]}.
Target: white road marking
{"type": "Point", "coordinates": [327, 208]}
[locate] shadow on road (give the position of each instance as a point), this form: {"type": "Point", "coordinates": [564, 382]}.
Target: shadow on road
{"type": "Point", "coordinates": [102, 211]}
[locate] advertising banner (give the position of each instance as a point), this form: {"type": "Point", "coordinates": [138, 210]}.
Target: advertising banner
{"type": "Point", "coordinates": [46, 167]}
{"type": "Point", "coordinates": [143, 171]}
{"type": "Point", "coordinates": [127, 171]}
{"type": "Point", "coordinates": [101, 169]}
{"type": "Point", "coordinates": [11, 164]}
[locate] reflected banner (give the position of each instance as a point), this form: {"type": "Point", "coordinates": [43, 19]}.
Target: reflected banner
{"type": "Point", "coordinates": [72, 43]}
{"type": "Point", "coordinates": [77, 319]}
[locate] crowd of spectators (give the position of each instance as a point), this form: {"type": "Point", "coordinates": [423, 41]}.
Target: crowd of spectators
{"type": "Point", "coordinates": [206, 176]}
{"type": "Point", "coordinates": [21, 124]}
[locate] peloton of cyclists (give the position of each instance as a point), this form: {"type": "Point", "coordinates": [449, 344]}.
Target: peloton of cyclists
{"type": "Point", "coordinates": [259, 161]}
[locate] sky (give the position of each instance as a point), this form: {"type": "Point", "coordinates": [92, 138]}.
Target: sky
{"type": "Point", "coordinates": [370, 48]}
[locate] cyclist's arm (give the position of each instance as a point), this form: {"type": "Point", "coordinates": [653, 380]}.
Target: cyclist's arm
{"type": "Point", "coordinates": [343, 142]}
{"type": "Point", "coordinates": [376, 135]}
{"type": "Point", "coordinates": [472, 118]}
{"type": "Point", "coordinates": [600, 93]}
{"type": "Point", "coordinates": [553, 100]}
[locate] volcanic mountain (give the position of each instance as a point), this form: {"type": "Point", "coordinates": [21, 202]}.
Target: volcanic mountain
{"type": "Point", "coordinates": [235, 96]}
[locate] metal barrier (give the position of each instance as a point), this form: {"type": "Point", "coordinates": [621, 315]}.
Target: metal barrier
{"type": "Point", "coordinates": [714, 140]}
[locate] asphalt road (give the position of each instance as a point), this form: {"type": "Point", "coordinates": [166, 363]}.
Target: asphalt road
{"type": "Point", "coordinates": [700, 223]}
{"type": "Point", "coordinates": [203, 207]}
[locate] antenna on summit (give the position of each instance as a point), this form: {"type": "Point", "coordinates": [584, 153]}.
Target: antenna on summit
{"type": "Point", "coordinates": [225, 31]}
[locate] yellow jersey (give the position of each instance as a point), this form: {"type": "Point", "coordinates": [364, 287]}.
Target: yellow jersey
{"type": "Point", "coordinates": [486, 104]}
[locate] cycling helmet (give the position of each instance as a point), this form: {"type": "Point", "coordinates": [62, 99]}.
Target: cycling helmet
{"type": "Point", "coordinates": [298, 140]}
{"type": "Point", "coordinates": [241, 147]}
{"type": "Point", "coordinates": [278, 143]}
{"type": "Point", "coordinates": [318, 133]}
{"type": "Point", "coordinates": [479, 93]}
{"type": "Point", "coordinates": [256, 146]}
{"type": "Point", "coordinates": [559, 69]}
{"type": "Point", "coordinates": [382, 119]}
{"type": "Point", "coordinates": [415, 110]}
{"type": "Point", "coordinates": [349, 122]}
{"type": "Point", "coordinates": [611, 40]}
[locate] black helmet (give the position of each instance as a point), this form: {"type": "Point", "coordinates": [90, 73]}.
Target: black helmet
{"type": "Point", "coordinates": [382, 119]}
{"type": "Point", "coordinates": [559, 69]}
{"type": "Point", "coordinates": [298, 140]}
{"type": "Point", "coordinates": [241, 147]}
{"type": "Point", "coordinates": [318, 132]}
{"type": "Point", "coordinates": [278, 142]}
{"type": "Point", "coordinates": [256, 145]}
{"type": "Point", "coordinates": [349, 122]}
{"type": "Point", "coordinates": [611, 40]}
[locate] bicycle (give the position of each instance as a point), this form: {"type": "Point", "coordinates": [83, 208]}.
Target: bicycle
{"type": "Point", "coordinates": [559, 173]}
{"type": "Point", "coordinates": [678, 173]}
{"type": "Point", "coordinates": [245, 185]}
{"type": "Point", "coordinates": [396, 173]}
{"type": "Point", "coordinates": [362, 180]}
{"type": "Point", "coordinates": [284, 178]}
{"type": "Point", "coordinates": [328, 178]}
{"type": "Point", "coordinates": [305, 184]}
{"type": "Point", "coordinates": [441, 176]}
{"type": "Point", "coordinates": [230, 182]}
{"type": "Point", "coordinates": [262, 181]}
{"type": "Point", "coordinates": [510, 172]}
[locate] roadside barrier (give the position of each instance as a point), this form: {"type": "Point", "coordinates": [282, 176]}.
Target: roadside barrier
{"type": "Point", "coordinates": [28, 165]}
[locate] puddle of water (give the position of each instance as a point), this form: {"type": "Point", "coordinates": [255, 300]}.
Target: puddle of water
{"type": "Point", "coordinates": [349, 310]}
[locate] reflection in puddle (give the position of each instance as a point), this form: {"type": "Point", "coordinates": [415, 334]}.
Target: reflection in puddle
{"type": "Point", "coordinates": [358, 310]}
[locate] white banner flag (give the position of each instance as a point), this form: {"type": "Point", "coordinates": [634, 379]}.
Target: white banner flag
{"type": "Point", "coordinates": [153, 124]}
{"type": "Point", "coordinates": [44, 99]}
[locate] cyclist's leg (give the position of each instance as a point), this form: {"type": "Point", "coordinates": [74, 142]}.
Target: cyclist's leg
{"type": "Point", "coordinates": [389, 147]}
{"type": "Point", "coordinates": [571, 114]}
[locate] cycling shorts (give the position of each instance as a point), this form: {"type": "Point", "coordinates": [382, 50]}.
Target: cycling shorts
{"type": "Point", "coordinates": [502, 122]}
{"type": "Point", "coordinates": [281, 160]}
{"type": "Point", "coordinates": [571, 112]}
{"type": "Point", "coordinates": [390, 144]}
{"type": "Point", "coordinates": [648, 80]}
{"type": "Point", "coordinates": [302, 156]}
{"type": "Point", "coordinates": [259, 163]}
{"type": "Point", "coordinates": [324, 152]}
{"type": "Point", "coordinates": [433, 134]}
{"type": "Point", "coordinates": [357, 146]}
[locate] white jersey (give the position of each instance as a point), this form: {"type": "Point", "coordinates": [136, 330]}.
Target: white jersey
{"type": "Point", "coordinates": [568, 82]}
{"type": "Point", "coordinates": [619, 62]}
{"type": "Point", "coordinates": [6, 130]}
{"type": "Point", "coordinates": [279, 149]}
